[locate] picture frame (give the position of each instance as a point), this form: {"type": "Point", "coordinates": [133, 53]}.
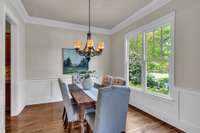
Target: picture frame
{"type": "Point", "coordinates": [72, 62]}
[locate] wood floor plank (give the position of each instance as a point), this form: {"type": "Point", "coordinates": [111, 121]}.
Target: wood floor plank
{"type": "Point", "coordinates": [47, 118]}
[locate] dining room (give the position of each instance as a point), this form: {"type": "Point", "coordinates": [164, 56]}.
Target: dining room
{"type": "Point", "coordinates": [100, 66]}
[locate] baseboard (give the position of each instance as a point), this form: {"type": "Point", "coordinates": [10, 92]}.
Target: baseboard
{"type": "Point", "coordinates": [150, 114]}
{"type": "Point", "coordinates": [18, 111]}
{"type": "Point", "coordinates": [42, 101]}
{"type": "Point", "coordinates": [159, 115]}
{"type": "Point", "coordinates": [19, 99]}
{"type": "Point", "coordinates": [185, 106]}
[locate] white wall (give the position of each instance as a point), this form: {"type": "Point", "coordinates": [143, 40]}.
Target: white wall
{"type": "Point", "coordinates": [18, 61]}
{"type": "Point", "coordinates": [182, 111]}
{"type": "Point", "coordinates": [2, 104]}
{"type": "Point", "coordinates": [44, 60]}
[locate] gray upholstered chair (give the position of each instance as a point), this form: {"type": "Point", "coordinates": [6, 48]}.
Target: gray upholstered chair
{"type": "Point", "coordinates": [70, 113]}
{"type": "Point", "coordinates": [111, 110]}
{"type": "Point", "coordinates": [71, 109]}
{"type": "Point", "coordinates": [76, 79]}
{"type": "Point", "coordinates": [106, 80]}
{"type": "Point", "coordinates": [61, 90]}
{"type": "Point", "coordinates": [119, 81]}
{"type": "Point", "coordinates": [60, 82]}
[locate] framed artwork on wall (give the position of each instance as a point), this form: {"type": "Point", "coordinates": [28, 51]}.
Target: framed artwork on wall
{"type": "Point", "coordinates": [72, 62]}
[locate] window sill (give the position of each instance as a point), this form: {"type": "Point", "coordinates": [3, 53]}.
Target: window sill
{"type": "Point", "coordinates": [156, 95]}
{"type": "Point", "coordinates": [166, 97]}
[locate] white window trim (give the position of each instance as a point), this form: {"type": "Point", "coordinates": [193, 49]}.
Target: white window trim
{"type": "Point", "coordinates": [169, 18]}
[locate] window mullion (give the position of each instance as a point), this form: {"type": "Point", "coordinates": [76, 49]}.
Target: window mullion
{"type": "Point", "coordinates": [144, 62]}
{"type": "Point", "coordinates": [126, 71]}
{"type": "Point", "coordinates": [171, 61]}
{"type": "Point", "coordinates": [161, 43]}
{"type": "Point", "coordinates": [154, 42]}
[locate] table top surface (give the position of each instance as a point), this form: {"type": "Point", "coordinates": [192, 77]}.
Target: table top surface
{"type": "Point", "coordinates": [80, 97]}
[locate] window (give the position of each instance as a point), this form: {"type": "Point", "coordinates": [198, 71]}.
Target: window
{"type": "Point", "coordinates": [150, 57]}
{"type": "Point", "coordinates": [135, 60]}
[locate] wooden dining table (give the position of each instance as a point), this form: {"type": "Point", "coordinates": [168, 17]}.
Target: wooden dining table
{"type": "Point", "coordinates": [83, 101]}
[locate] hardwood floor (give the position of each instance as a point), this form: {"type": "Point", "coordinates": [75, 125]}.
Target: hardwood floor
{"type": "Point", "coordinates": [47, 118]}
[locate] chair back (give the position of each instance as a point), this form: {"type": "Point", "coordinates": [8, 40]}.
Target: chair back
{"type": "Point", "coordinates": [66, 99]}
{"type": "Point", "coordinates": [111, 109]}
{"type": "Point", "coordinates": [61, 82]}
{"type": "Point", "coordinates": [61, 86]}
{"type": "Point", "coordinates": [119, 81]}
{"type": "Point", "coordinates": [68, 103]}
{"type": "Point", "coordinates": [107, 80]}
{"type": "Point", "coordinates": [76, 79]}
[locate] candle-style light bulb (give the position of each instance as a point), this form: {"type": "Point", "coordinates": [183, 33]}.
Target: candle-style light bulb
{"type": "Point", "coordinates": [90, 43]}
{"type": "Point", "coordinates": [77, 44]}
{"type": "Point", "coordinates": [100, 45]}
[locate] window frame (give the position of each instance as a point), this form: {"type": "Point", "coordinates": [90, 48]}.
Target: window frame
{"type": "Point", "coordinates": [161, 22]}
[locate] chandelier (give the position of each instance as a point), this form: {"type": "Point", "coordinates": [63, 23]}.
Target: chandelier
{"type": "Point", "coordinates": [89, 50]}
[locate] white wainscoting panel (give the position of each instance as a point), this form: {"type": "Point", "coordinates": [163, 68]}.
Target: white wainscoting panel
{"type": "Point", "coordinates": [38, 91]}
{"type": "Point", "coordinates": [182, 111]}
{"type": "Point", "coordinates": [163, 109]}
{"type": "Point", "coordinates": [190, 109]}
{"type": "Point", "coordinates": [42, 91]}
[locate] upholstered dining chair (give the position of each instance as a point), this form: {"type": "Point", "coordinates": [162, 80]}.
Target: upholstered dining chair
{"type": "Point", "coordinates": [70, 113]}
{"type": "Point", "coordinates": [106, 80]}
{"type": "Point", "coordinates": [119, 81]}
{"type": "Point", "coordinates": [111, 110]}
{"type": "Point", "coordinates": [76, 79]}
{"type": "Point", "coordinates": [71, 109]}
{"type": "Point", "coordinates": [61, 90]}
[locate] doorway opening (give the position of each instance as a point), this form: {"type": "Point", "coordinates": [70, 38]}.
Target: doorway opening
{"type": "Point", "coordinates": [8, 70]}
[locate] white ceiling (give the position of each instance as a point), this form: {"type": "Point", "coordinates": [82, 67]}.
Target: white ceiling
{"type": "Point", "coordinates": [104, 13]}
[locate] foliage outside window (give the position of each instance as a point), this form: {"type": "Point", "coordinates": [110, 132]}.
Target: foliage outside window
{"type": "Point", "coordinates": [135, 61]}
{"type": "Point", "coordinates": [149, 54]}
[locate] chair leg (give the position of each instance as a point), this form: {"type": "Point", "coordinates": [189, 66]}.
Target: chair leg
{"type": "Point", "coordinates": [88, 128]}
{"type": "Point", "coordinates": [70, 127]}
{"type": "Point", "coordinates": [63, 116]}
{"type": "Point", "coordinates": [66, 121]}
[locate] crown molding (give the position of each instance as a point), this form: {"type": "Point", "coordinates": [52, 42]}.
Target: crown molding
{"type": "Point", "coordinates": [17, 4]}
{"type": "Point", "coordinates": [148, 9]}
{"type": "Point", "coordinates": [65, 25]}
{"type": "Point", "coordinates": [21, 5]}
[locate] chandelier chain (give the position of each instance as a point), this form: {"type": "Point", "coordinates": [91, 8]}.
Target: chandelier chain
{"type": "Point", "coordinates": [89, 16]}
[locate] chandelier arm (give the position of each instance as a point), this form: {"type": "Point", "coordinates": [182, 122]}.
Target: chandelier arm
{"type": "Point", "coordinates": [96, 53]}
{"type": "Point", "coordinates": [85, 47]}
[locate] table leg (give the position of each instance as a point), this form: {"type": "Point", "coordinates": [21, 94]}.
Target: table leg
{"type": "Point", "coordinates": [81, 116]}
